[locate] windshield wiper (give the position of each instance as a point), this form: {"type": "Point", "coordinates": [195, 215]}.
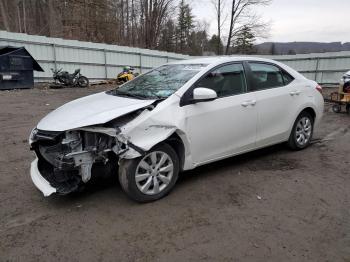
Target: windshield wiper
{"type": "Point", "coordinates": [120, 93]}
{"type": "Point", "coordinates": [157, 96]}
{"type": "Point", "coordinates": [137, 96]}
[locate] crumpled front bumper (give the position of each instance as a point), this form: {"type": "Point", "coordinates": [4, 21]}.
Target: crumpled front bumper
{"type": "Point", "coordinates": [39, 181]}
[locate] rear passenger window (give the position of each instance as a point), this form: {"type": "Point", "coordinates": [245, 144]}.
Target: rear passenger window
{"type": "Point", "coordinates": [287, 78]}
{"type": "Point", "coordinates": [265, 76]}
{"type": "Point", "coordinates": [225, 81]}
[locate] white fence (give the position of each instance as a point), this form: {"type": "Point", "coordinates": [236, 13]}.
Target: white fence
{"type": "Point", "coordinates": [101, 61]}
{"type": "Point", "coordinates": [97, 61]}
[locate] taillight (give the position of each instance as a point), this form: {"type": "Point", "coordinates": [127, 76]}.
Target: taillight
{"type": "Point", "coordinates": [319, 88]}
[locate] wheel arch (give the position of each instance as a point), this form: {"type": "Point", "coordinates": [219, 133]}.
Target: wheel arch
{"type": "Point", "coordinates": [309, 110]}
{"type": "Point", "coordinates": [178, 145]}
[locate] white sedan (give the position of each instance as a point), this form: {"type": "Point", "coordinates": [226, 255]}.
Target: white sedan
{"type": "Point", "coordinates": [174, 118]}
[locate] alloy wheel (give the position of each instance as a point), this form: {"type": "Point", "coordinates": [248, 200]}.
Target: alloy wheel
{"type": "Point", "coordinates": [303, 131]}
{"type": "Point", "coordinates": [154, 173]}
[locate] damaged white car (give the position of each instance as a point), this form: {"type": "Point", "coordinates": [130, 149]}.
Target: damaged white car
{"type": "Point", "coordinates": [174, 118]}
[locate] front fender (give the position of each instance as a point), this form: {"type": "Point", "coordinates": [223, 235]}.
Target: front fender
{"type": "Point", "coordinates": [155, 134]}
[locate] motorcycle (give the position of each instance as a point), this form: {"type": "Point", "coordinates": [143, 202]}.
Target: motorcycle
{"type": "Point", "coordinates": [67, 79]}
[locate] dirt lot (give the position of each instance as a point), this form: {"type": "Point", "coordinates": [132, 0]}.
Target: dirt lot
{"type": "Point", "coordinates": [214, 214]}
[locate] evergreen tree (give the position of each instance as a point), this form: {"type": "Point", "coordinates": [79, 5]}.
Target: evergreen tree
{"type": "Point", "coordinates": [167, 40]}
{"type": "Point", "coordinates": [213, 44]}
{"type": "Point", "coordinates": [244, 43]}
{"type": "Point", "coordinates": [185, 24]}
{"type": "Point", "coordinates": [197, 43]}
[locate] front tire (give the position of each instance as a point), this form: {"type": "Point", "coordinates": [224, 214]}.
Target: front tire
{"type": "Point", "coordinates": [152, 176]}
{"type": "Point", "coordinates": [302, 132]}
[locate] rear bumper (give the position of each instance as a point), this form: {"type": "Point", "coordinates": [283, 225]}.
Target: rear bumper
{"type": "Point", "coordinates": [39, 181]}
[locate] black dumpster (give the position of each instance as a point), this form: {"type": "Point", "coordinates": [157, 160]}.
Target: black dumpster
{"type": "Point", "coordinates": [16, 68]}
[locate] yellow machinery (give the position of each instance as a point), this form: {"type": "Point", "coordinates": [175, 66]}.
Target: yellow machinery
{"type": "Point", "coordinates": [126, 75]}
{"type": "Point", "coordinates": [342, 97]}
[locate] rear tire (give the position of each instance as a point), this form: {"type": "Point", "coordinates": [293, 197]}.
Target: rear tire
{"type": "Point", "coordinates": [302, 132]}
{"type": "Point", "coordinates": [143, 179]}
{"type": "Point", "coordinates": [336, 108]}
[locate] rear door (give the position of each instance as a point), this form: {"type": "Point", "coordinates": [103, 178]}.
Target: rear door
{"type": "Point", "coordinates": [278, 98]}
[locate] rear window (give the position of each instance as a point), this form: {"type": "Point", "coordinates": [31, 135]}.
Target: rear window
{"type": "Point", "coordinates": [265, 76]}
{"type": "Point", "coordinates": [287, 78]}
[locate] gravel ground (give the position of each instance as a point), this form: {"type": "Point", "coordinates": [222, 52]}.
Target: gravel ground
{"type": "Point", "coordinates": [270, 205]}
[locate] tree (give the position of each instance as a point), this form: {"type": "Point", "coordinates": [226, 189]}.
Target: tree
{"type": "Point", "coordinates": [219, 6]}
{"type": "Point", "coordinates": [184, 23]}
{"type": "Point", "coordinates": [244, 43]}
{"type": "Point", "coordinates": [197, 43]}
{"type": "Point", "coordinates": [167, 40]}
{"type": "Point", "coordinates": [154, 14]}
{"type": "Point", "coordinates": [167, 25]}
{"type": "Point", "coordinates": [4, 17]}
{"type": "Point", "coordinates": [241, 16]}
{"type": "Point", "coordinates": [213, 44]}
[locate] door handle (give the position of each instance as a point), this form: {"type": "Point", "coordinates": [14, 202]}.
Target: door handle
{"type": "Point", "coordinates": [295, 93]}
{"type": "Point", "coordinates": [249, 103]}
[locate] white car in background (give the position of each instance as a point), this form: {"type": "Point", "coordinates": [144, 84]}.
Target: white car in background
{"type": "Point", "coordinates": [174, 118]}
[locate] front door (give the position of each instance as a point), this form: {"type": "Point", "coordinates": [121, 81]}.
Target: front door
{"type": "Point", "coordinates": [227, 125]}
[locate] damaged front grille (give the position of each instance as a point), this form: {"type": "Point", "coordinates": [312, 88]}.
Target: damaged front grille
{"type": "Point", "coordinates": [66, 158]}
{"type": "Point", "coordinates": [55, 155]}
{"type": "Point", "coordinates": [64, 182]}
{"type": "Point", "coordinates": [45, 136]}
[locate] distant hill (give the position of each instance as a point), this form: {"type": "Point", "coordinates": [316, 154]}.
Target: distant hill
{"type": "Point", "coordinates": [301, 47]}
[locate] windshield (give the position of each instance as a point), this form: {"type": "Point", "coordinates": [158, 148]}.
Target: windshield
{"type": "Point", "coordinates": [160, 82]}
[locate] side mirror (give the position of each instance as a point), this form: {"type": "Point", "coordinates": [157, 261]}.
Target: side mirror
{"type": "Point", "coordinates": [201, 94]}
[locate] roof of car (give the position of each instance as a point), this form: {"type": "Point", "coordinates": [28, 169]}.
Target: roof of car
{"type": "Point", "coordinates": [221, 59]}
{"type": "Point", "coordinates": [217, 60]}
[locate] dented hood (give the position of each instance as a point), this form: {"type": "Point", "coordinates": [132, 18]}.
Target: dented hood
{"type": "Point", "coordinates": [90, 110]}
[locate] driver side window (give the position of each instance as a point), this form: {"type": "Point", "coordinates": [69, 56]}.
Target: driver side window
{"type": "Point", "coordinates": [227, 80]}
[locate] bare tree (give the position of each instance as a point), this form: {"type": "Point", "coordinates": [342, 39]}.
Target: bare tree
{"type": "Point", "coordinates": [5, 19]}
{"type": "Point", "coordinates": [219, 6]}
{"type": "Point", "coordinates": [24, 16]}
{"type": "Point", "coordinates": [154, 14]}
{"type": "Point", "coordinates": [241, 17]}
{"type": "Point", "coordinates": [149, 24]}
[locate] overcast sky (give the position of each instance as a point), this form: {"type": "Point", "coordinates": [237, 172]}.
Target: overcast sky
{"type": "Point", "coordinates": [295, 20]}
